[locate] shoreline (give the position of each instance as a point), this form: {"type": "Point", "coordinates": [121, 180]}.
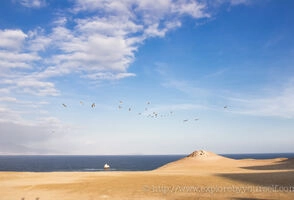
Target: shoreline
{"type": "Point", "coordinates": [205, 176]}
{"type": "Point", "coordinates": [86, 163]}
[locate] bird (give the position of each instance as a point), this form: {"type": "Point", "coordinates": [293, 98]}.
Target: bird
{"type": "Point", "coordinates": [225, 107]}
{"type": "Point", "coordinates": [185, 120]}
{"type": "Point", "coordinates": [93, 105]}
{"type": "Point", "coordinates": [196, 119]}
{"type": "Point", "coordinates": [148, 102]}
{"type": "Point", "coordinates": [120, 102]}
{"type": "Point", "coordinates": [130, 109]}
{"type": "Point", "coordinates": [64, 105]}
{"type": "Point", "coordinates": [119, 107]}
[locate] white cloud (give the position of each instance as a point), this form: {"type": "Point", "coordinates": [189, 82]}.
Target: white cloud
{"type": "Point", "coordinates": [9, 115]}
{"type": "Point", "coordinates": [154, 30]}
{"type": "Point", "coordinates": [33, 3]}
{"type": "Point", "coordinates": [8, 99]}
{"type": "Point", "coordinates": [108, 26]}
{"type": "Point", "coordinates": [29, 84]}
{"type": "Point", "coordinates": [11, 59]}
{"type": "Point", "coordinates": [97, 40]}
{"type": "Point", "coordinates": [107, 44]}
{"type": "Point", "coordinates": [12, 39]}
{"type": "Point", "coordinates": [13, 110]}
{"type": "Point", "coordinates": [94, 46]}
{"type": "Point", "coordinates": [18, 60]}
{"type": "Point", "coordinates": [192, 8]}
{"type": "Point", "coordinates": [38, 40]}
{"type": "Point", "coordinates": [4, 91]}
{"type": "Point", "coordinates": [109, 76]}
{"type": "Point", "coordinates": [104, 47]}
{"type": "Point", "coordinates": [238, 2]}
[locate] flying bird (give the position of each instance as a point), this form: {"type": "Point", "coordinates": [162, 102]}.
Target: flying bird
{"type": "Point", "coordinates": [64, 105]}
{"type": "Point", "coordinates": [225, 107]}
{"type": "Point", "coordinates": [130, 109]}
{"type": "Point", "coordinates": [93, 105]}
{"type": "Point", "coordinates": [185, 120]}
{"type": "Point", "coordinates": [119, 107]}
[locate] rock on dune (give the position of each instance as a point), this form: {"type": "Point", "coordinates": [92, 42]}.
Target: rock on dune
{"type": "Point", "coordinates": [201, 154]}
{"type": "Point", "coordinates": [205, 156]}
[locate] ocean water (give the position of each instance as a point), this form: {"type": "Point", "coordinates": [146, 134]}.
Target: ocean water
{"type": "Point", "coordinates": [260, 155]}
{"type": "Point", "coordinates": [52, 163]}
{"type": "Point", "coordinates": [84, 163]}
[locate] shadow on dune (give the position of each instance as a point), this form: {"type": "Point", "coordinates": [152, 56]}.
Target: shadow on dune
{"type": "Point", "coordinates": [265, 182]}
{"type": "Point", "coordinates": [243, 198]}
{"type": "Point", "coordinates": [264, 178]}
{"type": "Point", "coordinates": [280, 165]}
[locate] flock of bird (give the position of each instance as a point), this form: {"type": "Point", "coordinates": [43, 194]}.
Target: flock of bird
{"type": "Point", "coordinates": [150, 114]}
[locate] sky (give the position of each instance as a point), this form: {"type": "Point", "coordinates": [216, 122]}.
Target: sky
{"type": "Point", "coordinates": [103, 77]}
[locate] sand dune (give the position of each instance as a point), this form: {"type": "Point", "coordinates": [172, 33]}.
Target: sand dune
{"type": "Point", "coordinates": [201, 175]}
{"type": "Point", "coordinates": [200, 162]}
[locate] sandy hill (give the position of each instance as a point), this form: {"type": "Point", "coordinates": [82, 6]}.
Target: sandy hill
{"type": "Point", "coordinates": [200, 160]}
{"type": "Point", "coordinates": [200, 175]}
{"type": "Point", "coordinates": [205, 156]}
{"type": "Point", "coordinates": [205, 162]}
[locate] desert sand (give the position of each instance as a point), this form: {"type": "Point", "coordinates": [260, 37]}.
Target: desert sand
{"type": "Point", "coordinates": [201, 175]}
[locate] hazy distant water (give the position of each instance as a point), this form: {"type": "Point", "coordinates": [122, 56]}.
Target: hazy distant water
{"type": "Point", "coordinates": [260, 155]}
{"type": "Point", "coordinates": [96, 163]}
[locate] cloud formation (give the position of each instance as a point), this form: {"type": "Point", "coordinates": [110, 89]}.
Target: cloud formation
{"type": "Point", "coordinates": [96, 39]}
{"type": "Point", "coordinates": [12, 39]}
{"type": "Point", "coordinates": [33, 3]}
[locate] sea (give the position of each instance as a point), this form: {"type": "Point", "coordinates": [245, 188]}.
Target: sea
{"type": "Point", "coordinates": [84, 163]}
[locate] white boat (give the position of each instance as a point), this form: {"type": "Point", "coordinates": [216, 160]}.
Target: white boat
{"type": "Point", "coordinates": [106, 166]}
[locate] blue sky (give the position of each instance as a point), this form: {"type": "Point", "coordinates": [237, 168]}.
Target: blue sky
{"type": "Point", "coordinates": [189, 59]}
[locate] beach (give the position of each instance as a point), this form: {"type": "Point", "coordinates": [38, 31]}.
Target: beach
{"type": "Point", "coordinates": [201, 175]}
